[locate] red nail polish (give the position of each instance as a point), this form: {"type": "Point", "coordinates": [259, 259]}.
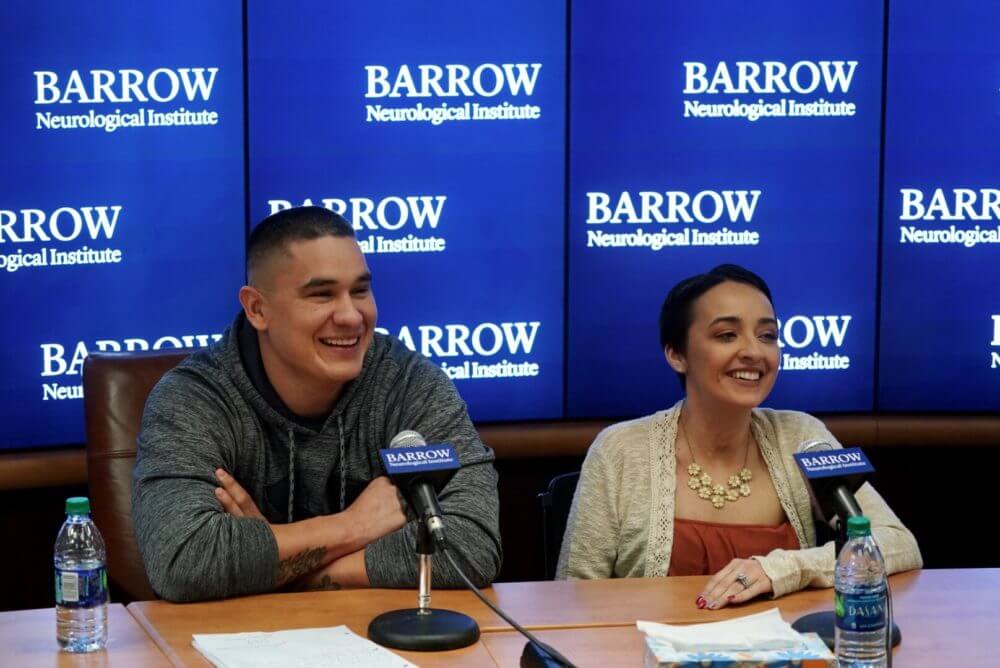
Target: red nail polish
{"type": "Point", "coordinates": [700, 599]}
{"type": "Point", "coordinates": [730, 598]}
{"type": "Point", "coordinates": [701, 604]}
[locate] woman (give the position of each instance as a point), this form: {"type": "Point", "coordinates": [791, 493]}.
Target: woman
{"type": "Point", "coordinates": [710, 486]}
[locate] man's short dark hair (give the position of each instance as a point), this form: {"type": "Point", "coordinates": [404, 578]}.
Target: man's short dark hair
{"type": "Point", "coordinates": [677, 312]}
{"type": "Point", "coordinates": [303, 223]}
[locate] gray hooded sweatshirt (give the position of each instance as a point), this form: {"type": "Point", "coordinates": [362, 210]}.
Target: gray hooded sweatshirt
{"type": "Point", "coordinates": [207, 414]}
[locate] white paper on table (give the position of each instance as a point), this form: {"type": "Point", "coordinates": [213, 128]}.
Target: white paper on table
{"type": "Point", "coordinates": [762, 631]}
{"type": "Point", "coordinates": [333, 647]}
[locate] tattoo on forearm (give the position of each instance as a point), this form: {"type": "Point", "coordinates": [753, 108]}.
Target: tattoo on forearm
{"type": "Point", "coordinates": [299, 564]}
{"type": "Point", "coordinates": [325, 583]}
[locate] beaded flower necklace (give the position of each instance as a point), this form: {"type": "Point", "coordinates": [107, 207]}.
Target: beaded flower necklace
{"type": "Point", "coordinates": [701, 482]}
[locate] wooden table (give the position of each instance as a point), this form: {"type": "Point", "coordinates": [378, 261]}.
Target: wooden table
{"type": "Point", "coordinates": [172, 625]}
{"type": "Point", "coordinates": [595, 647]}
{"type": "Point", "coordinates": [28, 638]}
{"type": "Point", "coordinates": [948, 617]}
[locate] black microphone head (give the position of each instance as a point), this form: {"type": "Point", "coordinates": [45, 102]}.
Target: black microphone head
{"type": "Point", "coordinates": [407, 439]}
{"type": "Point", "coordinates": [814, 445]}
{"type": "Point", "coordinates": [824, 491]}
{"type": "Point", "coordinates": [412, 439]}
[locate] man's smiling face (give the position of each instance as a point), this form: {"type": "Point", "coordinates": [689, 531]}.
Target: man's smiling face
{"type": "Point", "coordinates": [319, 314]}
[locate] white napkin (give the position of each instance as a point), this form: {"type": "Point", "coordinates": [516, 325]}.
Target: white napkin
{"type": "Point", "coordinates": [762, 631]}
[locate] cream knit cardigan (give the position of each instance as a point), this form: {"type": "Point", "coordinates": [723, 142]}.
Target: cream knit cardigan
{"type": "Point", "coordinates": [621, 523]}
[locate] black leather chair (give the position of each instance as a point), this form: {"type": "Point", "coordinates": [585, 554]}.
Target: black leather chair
{"type": "Point", "coordinates": [556, 502]}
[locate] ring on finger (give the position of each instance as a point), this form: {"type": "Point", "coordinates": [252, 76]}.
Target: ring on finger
{"type": "Point", "coordinates": [743, 580]}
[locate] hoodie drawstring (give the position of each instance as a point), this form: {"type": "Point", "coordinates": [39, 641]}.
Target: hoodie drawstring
{"type": "Point", "coordinates": [343, 468]}
{"type": "Point", "coordinates": [291, 473]}
{"type": "Point", "coordinates": [291, 469]}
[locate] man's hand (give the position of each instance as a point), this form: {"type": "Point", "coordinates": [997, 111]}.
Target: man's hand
{"type": "Point", "coordinates": [740, 581]}
{"type": "Point", "coordinates": [377, 511]}
{"type": "Point", "coordinates": [234, 498]}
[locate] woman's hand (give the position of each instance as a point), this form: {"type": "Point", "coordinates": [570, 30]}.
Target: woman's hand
{"type": "Point", "coordinates": [728, 587]}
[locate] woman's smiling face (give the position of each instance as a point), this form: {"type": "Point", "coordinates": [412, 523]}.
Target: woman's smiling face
{"type": "Point", "coordinates": [731, 353]}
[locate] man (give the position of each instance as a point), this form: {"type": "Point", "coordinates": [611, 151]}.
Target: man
{"type": "Point", "coordinates": [258, 460]}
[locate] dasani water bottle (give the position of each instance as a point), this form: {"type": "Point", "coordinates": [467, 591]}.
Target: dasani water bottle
{"type": "Point", "coordinates": [860, 599]}
{"type": "Point", "coordinates": [81, 581]}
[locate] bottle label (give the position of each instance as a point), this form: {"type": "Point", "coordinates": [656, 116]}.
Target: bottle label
{"type": "Point", "coordinates": [860, 612]}
{"type": "Point", "coordinates": [82, 588]}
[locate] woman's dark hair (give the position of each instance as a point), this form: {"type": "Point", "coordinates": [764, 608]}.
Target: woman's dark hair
{"type": "Point", "coordinates": [677, 311]}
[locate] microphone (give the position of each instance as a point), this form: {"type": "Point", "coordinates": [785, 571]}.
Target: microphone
{"type": "Point", "coordinates": [833, 489]}
{"type": "Point", "coordinates": [834, 475]}
{"type": "Point", "coordinates": [419, 472]}
{"type": "Point", "coordinates": [418, 469]}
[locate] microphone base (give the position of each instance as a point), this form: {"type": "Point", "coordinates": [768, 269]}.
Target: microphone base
{"type": "Point", "coordinates": [823, 624]}
{"type": "Point", "coordinates": [428, 630]}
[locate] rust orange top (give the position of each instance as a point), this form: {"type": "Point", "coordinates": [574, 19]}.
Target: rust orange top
{"type": "Point", "coordinates": [705, 548]}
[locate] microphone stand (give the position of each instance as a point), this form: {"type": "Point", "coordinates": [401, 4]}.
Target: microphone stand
{"type": "Point", "coordinates": [424, 629]}
{"type": "Point", "coordinates": [840, 536]}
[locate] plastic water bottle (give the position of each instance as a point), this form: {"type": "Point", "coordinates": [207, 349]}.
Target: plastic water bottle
{"type": "Point", "coordinates": [81, 581]}
{"type": "Point", "coordinates": [860, 599]}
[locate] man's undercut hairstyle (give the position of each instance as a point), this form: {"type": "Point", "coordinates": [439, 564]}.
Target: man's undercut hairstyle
{"type": "Point", "coordinates": [277, 231]}
{"type": "Point", "coordinates": [677, 312]}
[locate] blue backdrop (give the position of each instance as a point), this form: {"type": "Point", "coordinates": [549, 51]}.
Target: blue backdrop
{"type": "Point", "coordinates": [461, 218]}
{"type": "Point", "coordinates": [147, 215]}
{"type": "Point", "coordinates": [798, 195]}
{"type": "Point", "coordinates": [527, 179]}
{"type": "Point", "coordinates": [940, 331]}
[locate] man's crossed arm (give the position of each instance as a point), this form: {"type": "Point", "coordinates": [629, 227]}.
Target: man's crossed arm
{"type": "Point", "coordinates": [325, 552]}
